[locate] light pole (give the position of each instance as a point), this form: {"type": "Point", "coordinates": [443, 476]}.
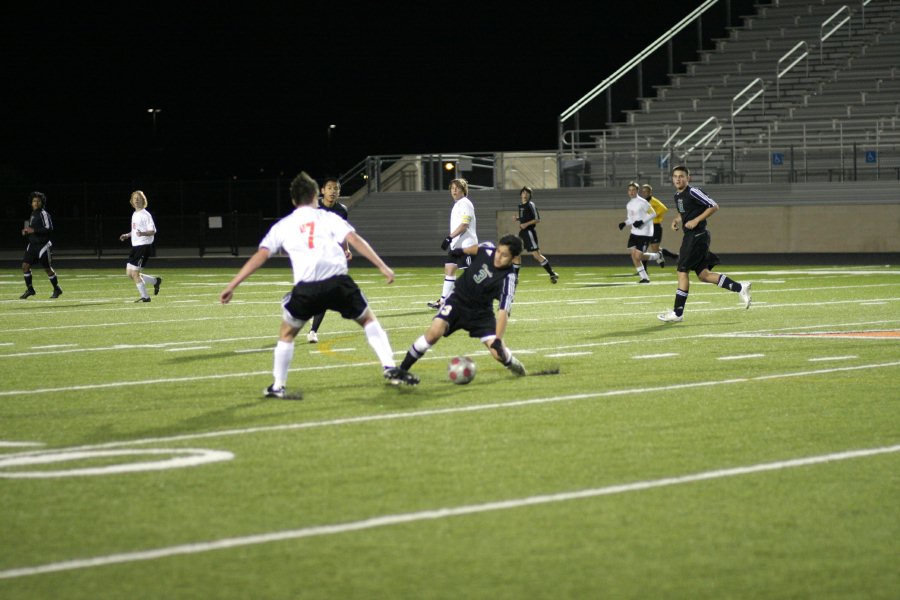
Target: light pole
{"type": "Point", "coordinates": [153, 112]}
{"type": "Point", "coordinates": [330, 151]}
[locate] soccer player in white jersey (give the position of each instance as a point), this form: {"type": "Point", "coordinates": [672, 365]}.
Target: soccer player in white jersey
{"type": "Point", "coordinates": [142, 234]}
{"type": "Point", "coordinates": [313, 239]}
{"type": "Point", "coordinates": [639, 215]}
{"type": "Point", "coordinates": [463, 235]}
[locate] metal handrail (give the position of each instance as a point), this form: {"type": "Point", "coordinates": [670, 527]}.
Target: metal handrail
{"type": "Point", "coordinates": [609, 81]}
{"type": "Point", "coordinates": [735, 113]}
{"type": "Point", "coordinates": [779, 73]}
{"type": "Point", "coordinates": [825, 36]}
{"type": "Point", "coordinates": [703, 139]}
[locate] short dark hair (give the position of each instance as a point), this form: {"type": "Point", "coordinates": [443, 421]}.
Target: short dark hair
{"type": "Point", "coordinates": [304, 189]}
{"type": "Point", "coordinates": [681, 168]}
{"type": "Point", "coordinates": [513, 243]}
{"type": "Point", "coordinates": [327, 180]}
{"type": "Point", "coordinates": [40, 196]}
{"type": "Point", "coordinates": [526, 189]}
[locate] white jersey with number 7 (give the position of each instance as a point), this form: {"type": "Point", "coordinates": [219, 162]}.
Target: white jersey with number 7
{"type": "Point", "coordinates": [313, 240]}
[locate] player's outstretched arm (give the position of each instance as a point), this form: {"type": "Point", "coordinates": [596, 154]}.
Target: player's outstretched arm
{"type": "Point", "coordinates": [250, 267]}
{"type": "Point", "coordinates": [363, 247]}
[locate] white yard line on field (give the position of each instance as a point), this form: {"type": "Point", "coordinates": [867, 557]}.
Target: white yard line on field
{"type": "Point", "coordinates": [740, 356]}
{"type": "Point", "coordinates": [429, 412]}
{"type": "Point", "coordinates": [441, 513]}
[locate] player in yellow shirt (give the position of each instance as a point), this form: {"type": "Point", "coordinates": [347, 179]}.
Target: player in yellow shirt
{"type": "Point", "coordinates": [660, 209]}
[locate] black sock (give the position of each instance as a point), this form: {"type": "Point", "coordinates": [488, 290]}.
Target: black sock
{"type": "Point", "coordinates": [55, 282]}
{"type": "Point", "coordinates": [28, 280]}
{"type": "Point", "coordinates": [547, 267]}
{"type": "Point", "coordinates": [408, 362]}
{"type": "Point", "coordinates": [644, 262]}
{"type": "Point", "coordinates": [729, 284]}
{"type": "Point", "coordinates": [317, 321]}
{"type": "Point", "coordinates": [680, 301]}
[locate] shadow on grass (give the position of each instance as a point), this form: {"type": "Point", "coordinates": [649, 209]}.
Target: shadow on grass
{"type": "Point", "coordinates": [223, 418]}
{"type": "Point", "coordinates": [413, 313]}
{"type": "Point", "coordinates": [63, 306]}
{"type": "Point", "coordinates": [638, 332]}
{"type": "Point", "coordinates": [185, 355]}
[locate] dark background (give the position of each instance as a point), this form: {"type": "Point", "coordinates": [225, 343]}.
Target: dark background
{"type": "Point", "coordinates": [249, 90]}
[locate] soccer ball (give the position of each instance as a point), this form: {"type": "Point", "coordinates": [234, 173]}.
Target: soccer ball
{"type": "Point", "coordinates": [461, 370]}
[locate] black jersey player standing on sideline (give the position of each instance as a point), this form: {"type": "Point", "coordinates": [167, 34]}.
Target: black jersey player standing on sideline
{"type": "Point", "coordinates": [313, 239]}
{"type": "Point", "coordinates": [330, 191]}
{"type": "Point", "coordinates": [38, 250]}
{"type": "Point", "coordinates": [528, 218]}
{"type": "Point", "coordinates": [694, 208]}
{"type": "Point", "coordinates": [470, 306]}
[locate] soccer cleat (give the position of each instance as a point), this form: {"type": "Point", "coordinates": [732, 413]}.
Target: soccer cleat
{"type": "Point", "coordinates": [745, 294]}
{"type": "Point", "coordinates": [670, 317]}
{"type": "Point", "coordinates": [397, 376]}
{"type": "Point", "coordinates": [147, 299]}
{"type": "Point", "coordinates": [56, 293]}
{"type": "Point", "coordinates": [312, 337]}
{"type": "Point", "coordinates": [516, 367]}
{"type": "Point", "coordinates": [668, 254]}
{"type": "Point", "coordinates": [156, 286]}
{"type": "Point", "coordinates": [554, 277]}
{"type": "Point", "coordinates": [662, 264]}
{"type": "Point", "coordinates": [273, 392]}
{"type": "Point", "coordinates": [28, 292]}
{"type": "Point", "coordinates": [644, 281]}
{"type": "Point", "coordinates": [436, 304]}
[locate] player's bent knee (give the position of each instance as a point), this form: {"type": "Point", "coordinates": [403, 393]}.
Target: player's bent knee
{"type": "Point", "coordinates": [292, 321]}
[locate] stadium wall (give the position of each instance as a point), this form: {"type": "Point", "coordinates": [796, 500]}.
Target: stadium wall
{"type": "Point", "coordinates": [830, 218]}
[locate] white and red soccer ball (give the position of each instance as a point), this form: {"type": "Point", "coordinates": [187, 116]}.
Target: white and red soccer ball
{"type": "Point", "coordinates": [461, 370]}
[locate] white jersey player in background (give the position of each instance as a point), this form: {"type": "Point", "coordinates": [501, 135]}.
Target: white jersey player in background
{"type": "Point", "coordinates": [640, 217]}
{"type": "Point", "coordinates": [313, 239]}
{"type": "Point", "coordinates": [463, 234]}
{"type": "Point", "coordinates": [142, 234]}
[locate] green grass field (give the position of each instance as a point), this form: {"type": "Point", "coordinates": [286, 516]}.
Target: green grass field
{"type": "Point", "coordinates": [739, 454]}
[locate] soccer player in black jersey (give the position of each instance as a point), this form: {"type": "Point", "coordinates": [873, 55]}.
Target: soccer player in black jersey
{"type": "Point", "coordinates": [470, 306]}
{"type": "Point", "coordinates": [694, 208]}
{"type": "Point", "coordinates": [330, 191]}
{"type": "Point", "coordinates": [528, 218]}
{"type": "Point", "coordinates": [37, 232]}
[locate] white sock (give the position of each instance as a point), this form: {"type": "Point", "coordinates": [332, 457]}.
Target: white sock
{"type": "Point", "coordinates": [142, 289]}
{"type": "Point", "coordinates": [378, 339]}
{"type": "Point", "coordinates": [148, 279]}
{"type": "Point", "coordinates": [657, 256]}
{"type": "Point", "coordinates": [419, 347]}
{"type": "Point", "coordinates": [642, 272]}
{"type": "Point", "coordinates": [284, 352]}
{"type": "Point", "coordinates": [449, 284]}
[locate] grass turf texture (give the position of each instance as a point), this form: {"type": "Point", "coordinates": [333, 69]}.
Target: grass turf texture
{"type": "Point", "coordinates": [636, 401]}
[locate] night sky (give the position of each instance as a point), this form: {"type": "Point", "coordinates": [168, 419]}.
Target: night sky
{"type": "Point", "coordinates": [251, 92]}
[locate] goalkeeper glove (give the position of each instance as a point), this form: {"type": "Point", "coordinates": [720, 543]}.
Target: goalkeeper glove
{"type": "Point", "coordinates": [621, 225]}
{"type": "Point", "coordinates": [446, 243]}
{"type": "Point", "coordinates": [638, 224]}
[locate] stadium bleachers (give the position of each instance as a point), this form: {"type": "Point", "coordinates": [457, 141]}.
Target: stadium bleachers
{"type": "Point", "coordinates": [840, 100]}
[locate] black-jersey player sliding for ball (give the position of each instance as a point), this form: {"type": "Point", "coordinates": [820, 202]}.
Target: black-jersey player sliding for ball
{"type": "Point", "coordinates": [470, 306]}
